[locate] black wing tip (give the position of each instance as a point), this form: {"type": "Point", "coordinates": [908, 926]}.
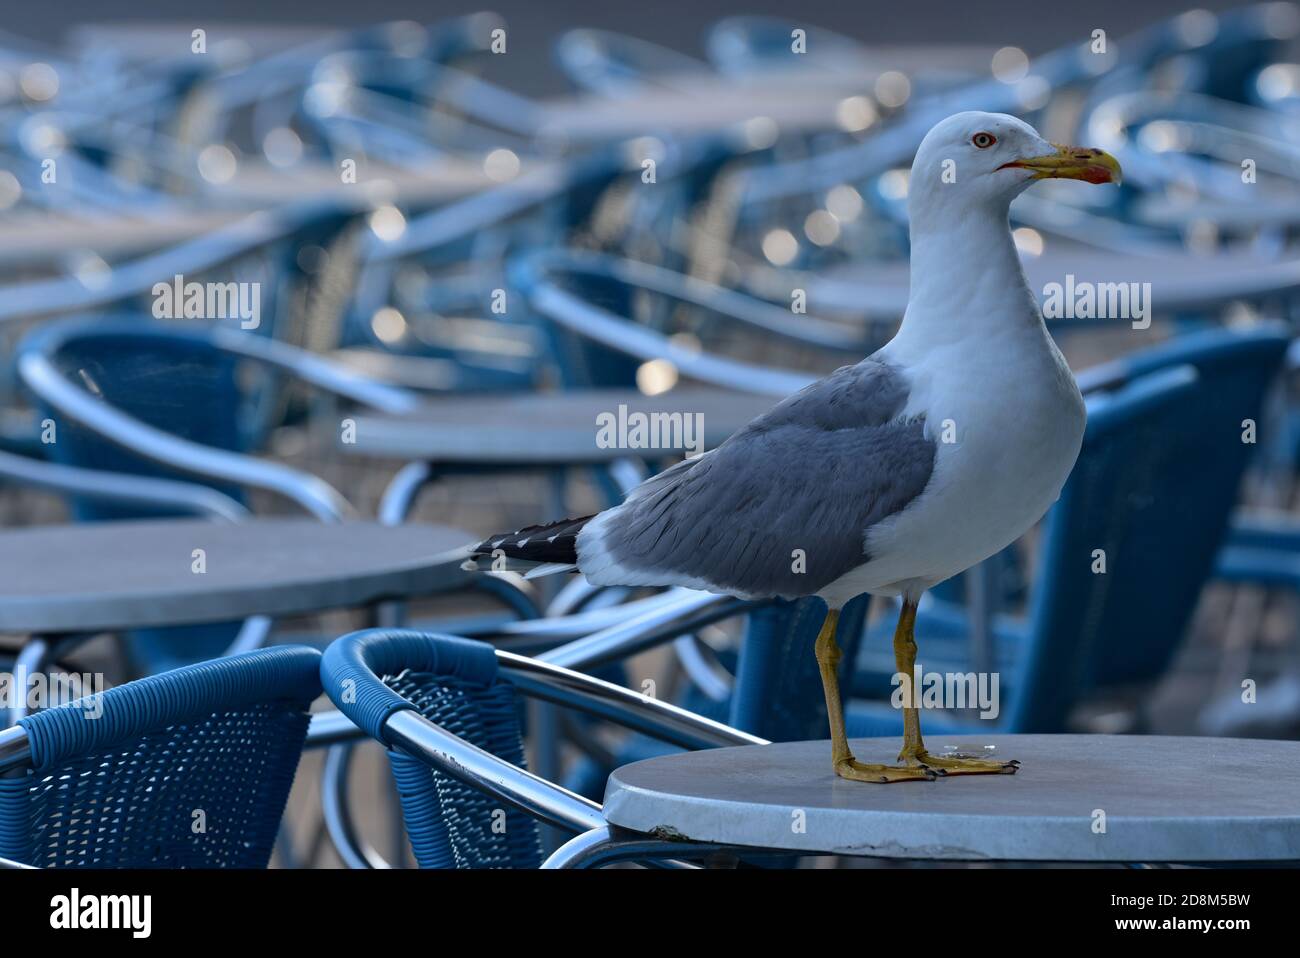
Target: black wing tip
{"type": "Point", "coordinates": [547, 542]}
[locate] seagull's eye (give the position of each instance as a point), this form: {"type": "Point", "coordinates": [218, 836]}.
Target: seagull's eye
{"type": "Point", "coordinates": [983, 140]}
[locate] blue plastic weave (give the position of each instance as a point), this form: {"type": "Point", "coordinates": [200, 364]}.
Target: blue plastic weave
{"type": "Point", "coordinates": [455, 684]}
{"type": "Point", "coordinates": [189, 769]}
{"type": "Point", "coordinates": [450, 824]}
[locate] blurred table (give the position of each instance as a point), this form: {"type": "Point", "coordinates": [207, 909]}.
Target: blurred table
{"type": "Point", "coordinates": [1165, 799]}
{"type": "Point", "coordinates": [542, 429]}
{"type": "Point", "coordinates": [1180, 281]}
{"type": "Point", "coordinates": [110, 576]}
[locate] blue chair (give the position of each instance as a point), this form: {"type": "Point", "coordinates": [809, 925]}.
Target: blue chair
{"type": "Point", "coordinates": [1130, 495]}
{"type": "Point", "coordinates": [187, 769]}
{"type": "Point", "coordinates": [162, 402]}
{"type": "Point", "coordinates": [447, 710]}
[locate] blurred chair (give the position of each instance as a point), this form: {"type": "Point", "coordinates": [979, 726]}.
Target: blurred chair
{"type": "Point", "coordinates": [133, 397]}
{"type": "Point", "coordinates": [188, 769]}
{"type": "Point", "coordinates": [588, 302]}
{"type": "Point", "coordinates": [447, 710]}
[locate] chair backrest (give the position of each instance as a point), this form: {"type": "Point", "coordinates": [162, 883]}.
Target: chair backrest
{"type": "Point", "coordinates": [187, 769]}
{"type": "Point", "coordinates": [164, 377]}
{"type": "Point", "coordinates": [1108, 572]}
{"type": "Point", "coordinates": [778, 691]}
{"type": "Point", "coordinates": [455, 684]}
{"type": "Point", "coordinates": [1148, 502]}
{"type": "Point", "coordinates": [1204, 457]}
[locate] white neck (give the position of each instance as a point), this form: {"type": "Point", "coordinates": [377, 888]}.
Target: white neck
{"type": "Point", "coordinates": [966, 279]}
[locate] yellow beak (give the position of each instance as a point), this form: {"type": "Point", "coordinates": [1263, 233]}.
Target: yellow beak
{"type": "Point", "coordinates": [1072, 163]}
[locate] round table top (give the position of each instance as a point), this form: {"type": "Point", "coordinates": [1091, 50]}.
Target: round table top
{"type": "Point", "coordinates": [554, 429]}
{"type": "Point", "coordinates": [116, 575]}
{"type": "Point", "coordinates": [1158, 799]}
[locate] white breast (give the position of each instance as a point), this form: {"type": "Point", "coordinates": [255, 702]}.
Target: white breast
{"type": "Point", "coordinates": [1015, 420]}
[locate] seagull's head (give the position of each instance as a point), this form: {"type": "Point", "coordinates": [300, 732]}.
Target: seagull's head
{"type": "Point", "coordinates": [984, 160]}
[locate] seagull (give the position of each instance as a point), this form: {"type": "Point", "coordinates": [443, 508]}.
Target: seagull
{"type": "Point", "coordinates": [888, 476]}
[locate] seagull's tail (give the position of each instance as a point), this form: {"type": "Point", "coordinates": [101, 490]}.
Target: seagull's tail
{"type": "Point", "coordinates": [535, 550]}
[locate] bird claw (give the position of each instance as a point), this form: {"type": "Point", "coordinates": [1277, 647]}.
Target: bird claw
{"type": "Point", "coordinates": [855, 771]}
{"type": "Point", "coordinates": [958, 764]}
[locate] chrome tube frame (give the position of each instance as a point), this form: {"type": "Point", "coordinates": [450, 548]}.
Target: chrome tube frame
{"type": "Point", "coordinates": [621, 334]}
{"type": "Point", "coordinates": [607, 845]}
{"type": "Point", "coordinates": [355, 851]}
{"type": "Point", "coordinates": [671, 723]}
{"type": "Point", "coordinates": [577, 625]}
{"type": "Point", "coordinates": [704, 672]}
{"type": "Point", "coordinates": [313, 494]}
{"type": "Point", "coordinates": [759, 314]}
{"type": "Point", "coordinates": [15, 749]}
{"type": "Point", "coordinates": [399, 495]}
{"type": "Point", "coordinates": [686, 611]}
{"type": "Point", "coordinates": [119, 487]}
{"type": "Point", "coordinates": [417, 736]}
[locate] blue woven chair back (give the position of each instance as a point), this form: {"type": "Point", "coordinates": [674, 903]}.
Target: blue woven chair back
{"type": "Point", "coordinates": [1201, 459]}
{"type": "Point", "coordinates": [450, 824]}
{"type": "Point", "coordinates": [188, 769]}
{"type": "Point", "coordinates": [172, 378]}
{"type": "Point", "coordinates": [1149, 499]}
{"type": "Point", "coordinates": [455, 684]}
{"type": "Point", "coordinates": [165, 378]}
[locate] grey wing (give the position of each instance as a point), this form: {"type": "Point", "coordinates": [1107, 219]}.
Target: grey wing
{"type": "Point", "coordinates": [807, 479]}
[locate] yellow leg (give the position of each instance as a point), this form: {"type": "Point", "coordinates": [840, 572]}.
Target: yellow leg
{"type": "Point", "coordinates": [914, 752]}
{"type": "Point", "coordinates": [828, 660]}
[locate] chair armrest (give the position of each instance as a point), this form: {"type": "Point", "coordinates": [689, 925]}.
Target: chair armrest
{"type": "Point", "coordinates": [414, 734]}
{"type": "Point", "coordinates": [313, 494]}
{"type": "Point", "coordinates": [632, 339]}
{"type": "Point", "coordinates": [325, 374]}
{"type": "Point", "coordinates": [763, 316]}
{"type": "Point", "coordinates": [686, 612]}
{"type": "Point", "coordinates": [1258, 529]}
{"type": "Point", "coordinates": [119, 487]}
{"type": "Point", "coordinates": [410, 731]}
{"type": "Point", "coordinates": [578, 625]}
{"type": "Point", "coordinates": [1263, 549]}
{"type": "Point", "coordinates": [663, 720]}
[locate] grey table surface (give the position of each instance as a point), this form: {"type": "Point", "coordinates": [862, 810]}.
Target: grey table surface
{"type": "Point", "coordinates": [542, 429]}
{"type": "Point", "coordinates": [134, 574]}
{"type": "Point", "coordinates": [1164, 799]}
